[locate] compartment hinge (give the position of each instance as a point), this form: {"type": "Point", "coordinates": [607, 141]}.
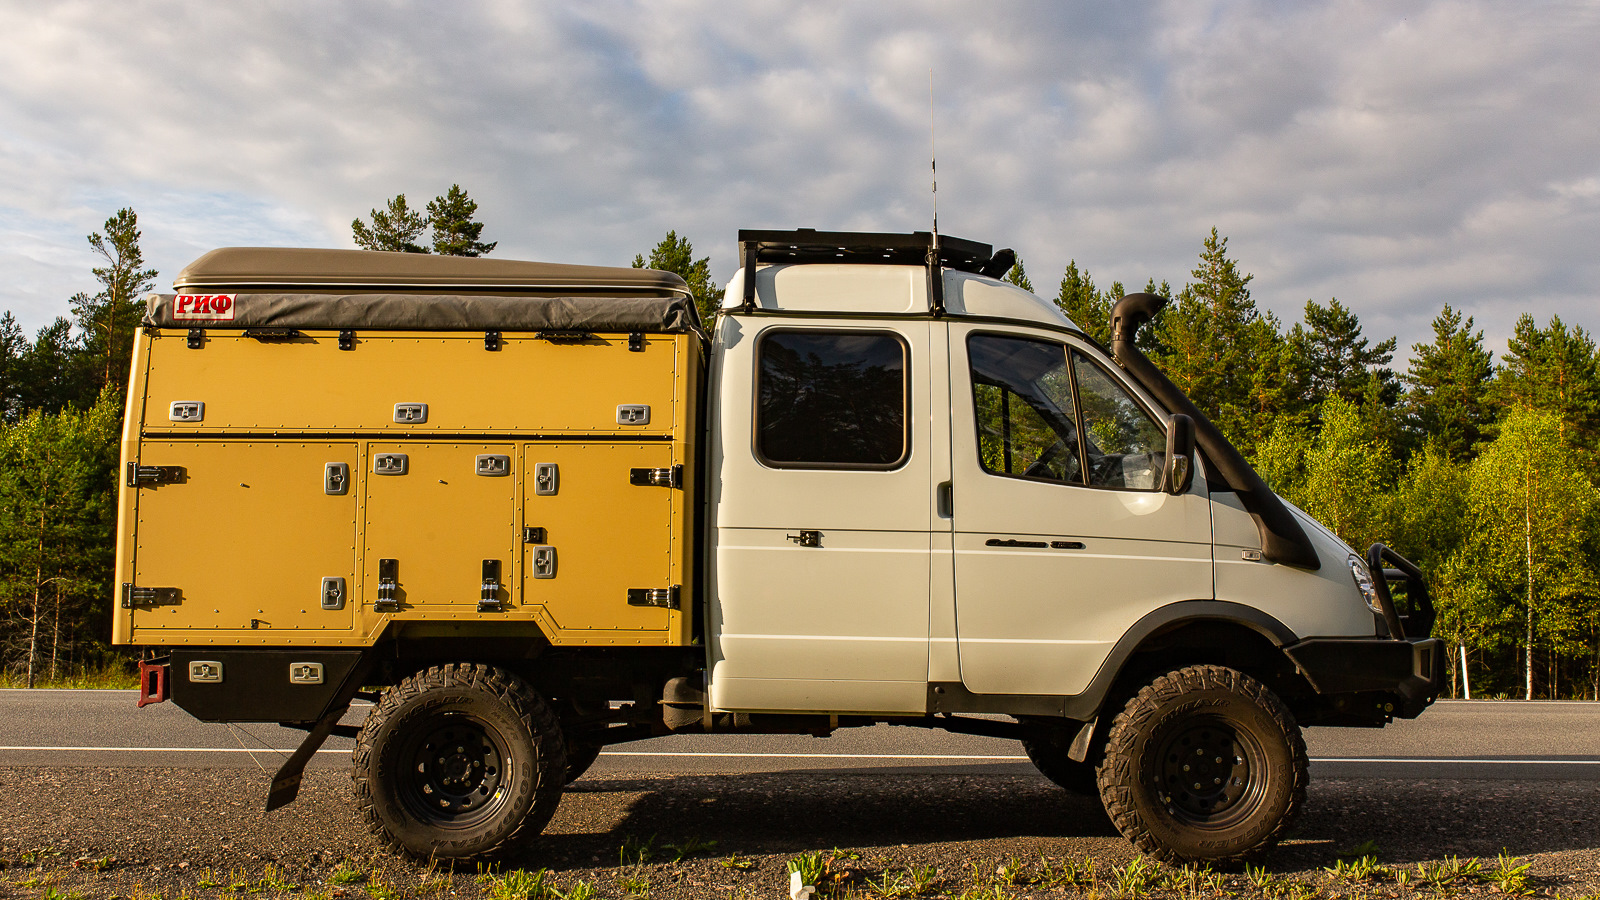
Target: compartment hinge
{"type": "Point", "coordinates": [388, 582]}
{"type": "Point", "coordinates": [134, 597]}
{"type": "Point", "coordinates": [273, 335]}
{"type": "Point", "coordinates": [662, 598]}
{"type": "Point", "coordinates": [564, 336]}
{"type": "Point", "coordinates": [197, 338]}
{"type": "Point", "coordinates": [671, 477]}
{"type": "Point", "coordinates": [140, 476]}
{"type": "Point", "coordinates": [347, 339]}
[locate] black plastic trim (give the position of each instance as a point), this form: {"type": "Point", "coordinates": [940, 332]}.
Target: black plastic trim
{"type": "Point", "coordinates": [954, 697]}
{"type": "Point", "coordinates": [1412, 670]}
{"type": "Point", "coordinates": [255, 683]}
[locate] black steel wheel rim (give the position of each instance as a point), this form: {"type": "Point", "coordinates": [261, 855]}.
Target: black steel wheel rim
{"type": "Point", "coordinates": [1209, 773]}
{"type": "Point", "coordinates": [453, 773]}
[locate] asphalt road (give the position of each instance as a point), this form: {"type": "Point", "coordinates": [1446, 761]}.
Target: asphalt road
{"type": "Point", "coordinates": [1453, 740]}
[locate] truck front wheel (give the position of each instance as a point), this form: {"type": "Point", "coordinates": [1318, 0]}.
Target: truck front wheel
{"type": "Point", "coordinates": [1205, 764]}
{"type": "Point", "coordinates": [458, 762]}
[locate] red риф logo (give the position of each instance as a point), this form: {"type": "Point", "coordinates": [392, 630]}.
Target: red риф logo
{"type": "Point", "coordinates": [203, 307]}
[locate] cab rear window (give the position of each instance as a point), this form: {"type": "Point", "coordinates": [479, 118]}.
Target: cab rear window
{"type": "Point", "coordinates": [831, 399]}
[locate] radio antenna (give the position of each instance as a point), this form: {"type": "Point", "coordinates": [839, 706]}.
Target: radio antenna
{"type": "Point", "coordinates": [933, 162]}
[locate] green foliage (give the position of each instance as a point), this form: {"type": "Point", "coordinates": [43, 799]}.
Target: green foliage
{"type": "Point", "coordinates": [455, 231]}
{"type": "Point", "coordinates": [1332, 358]}
{"type": "Point", "coordinates": [1448, 385]}
{"type": "Point", "coordinates": [1555, 370]}
{"type": "Point", "coordinates": [1018, 275]}
{"type": "Point", "coordinates": [107, 319]}
{"type": "Point", "coordinates": [395, 228]}
{"type": "Point", "coordinates": [56, 539]}
{"type": "Point", "coordinates": [398, 226]}
{"type": "Point", "coordinates": [1090, 308]}
{"type": "Point", "coordinates": [676, 255]}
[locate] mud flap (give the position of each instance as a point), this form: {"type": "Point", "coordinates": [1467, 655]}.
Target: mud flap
{"type": "Point", "coordinates": [286, 783]}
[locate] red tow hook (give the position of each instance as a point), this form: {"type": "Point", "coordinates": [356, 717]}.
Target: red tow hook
{"type": "Point", "coordinates": [152, 682]}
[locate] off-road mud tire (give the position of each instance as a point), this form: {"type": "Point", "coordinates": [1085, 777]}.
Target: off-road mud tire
{"type": "Point", "coordinates": [1207, 709]}
{"type": "Point", "coordinates": [1048, 750]}
{"type": "Point", "coordinates": [500, 786]}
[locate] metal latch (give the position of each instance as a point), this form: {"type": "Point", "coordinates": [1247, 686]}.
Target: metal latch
{"type": "Point", "coordinates": [662, 598]}
{"type": "Point", "coordinates": [388, 582]}
{"type": "Point", "coordinates": [534, 534]}
{"type": "Point", "coordinates": [145, 597]}
{"type": "Point", "coordinates": [205, 671]}
{"type": "Point", "coordinates": [489, 595]}
{"type": "Point", "coordinates": [333, 593]}
{"type": "Point", "coordinates": [544, 561]}
{"type": "Point", "coordinates": [390, 464]}
{"type": "Point", "coordinates": [671, 476]}
{"type": "Point", "coordinates": [411, 413]}
{"type": "Point", "coordinates": [141, 476]}
{"type": "Point", "coordinates": [305, 673]}
{"type": "Point", "coordinates": [186, 411]}
{"type": "Point", "coordinates": [492, 464]}
{"type": "Point", "coordinates": [633, 414]}
{"type": "Point", "coordinates": [336, 478]}
{"type": "Point", "coordinates": [811, 538]}
{"type": "Point", "coordinates": [546, 478]}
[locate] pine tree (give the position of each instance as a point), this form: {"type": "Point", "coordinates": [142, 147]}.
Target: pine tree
{"type": "Point", "coordinates": [1086, 306]}
{"type": "Point", "coordinates": [676, 255]}
{"type": "Point", "coordinates": [1018, 275]}
{"type": "Point", "coordinates": [455, 233]}
{"type": "Point", "coordinates": [395, 228]}
{"type": "Point", "coordinates": [13, 348]}
{"type": "Point", "coordinates": [1448, 381]}
{"type": "Point", "coordinates": [107, 320]}
{"type": "Point", "coordinates": [1555, 370]}
{"type": "Point", "coordinates": [1335, 359]}
{"type": "Point", "coordinates": [1221, 351]}
{"type": "Point", "coordinates": [50, 373]}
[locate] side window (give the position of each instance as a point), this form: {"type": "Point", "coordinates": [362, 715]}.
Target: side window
{"type": "Point", "coordinates": [831, 399]}
{"type": "Point", "coordinates": [1022, 393]}
{"type": "Point", "coordinates": [1126, 448]}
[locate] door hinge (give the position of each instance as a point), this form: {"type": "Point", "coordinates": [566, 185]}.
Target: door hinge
{"type": "Point", "coordinates": [636, 342]}
{"type": "Point", "coordinates": [671, 477]}
{"type": "Point", "coordinates": [491, 340]}
{"type": "Point", "coordinates": [273, 335]}
{"type": "Point", "coordinates": [140, 476]}
{"type": "Point", "coordinates": [564, 336]}
{"type": "Point", "coordinates": [388, 582]}
{"type": "Point", "coordinates": [347, 339]}
{"type": "Point", "coordinates": [145, 597]}
{"type": "Point", "coordinates": [197, 338]}
{"type": "Point", "coordinates": [489, 595]}
{"type": "Point", "coordinates": [662, 598]}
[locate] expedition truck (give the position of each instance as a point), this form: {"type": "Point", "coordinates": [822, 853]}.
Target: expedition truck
{"type": "Point", "coordinates": [531, 510]}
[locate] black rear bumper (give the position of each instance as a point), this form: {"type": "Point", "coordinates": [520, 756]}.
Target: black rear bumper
{"type": "Point", "coordinates": [1375, 678]}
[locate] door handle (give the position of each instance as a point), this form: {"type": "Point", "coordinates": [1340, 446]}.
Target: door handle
{"type": "Point", "coordinates": [945, 500]}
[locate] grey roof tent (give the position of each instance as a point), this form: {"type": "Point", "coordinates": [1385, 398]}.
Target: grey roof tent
{"type": "Point", "coordinates": [277, 287]}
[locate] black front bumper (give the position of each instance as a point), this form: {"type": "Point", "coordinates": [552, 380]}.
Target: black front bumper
{"type": "Point", "coordinates": [1373, 677]}
{"type": "Point", "coordinates": [1370, 680]}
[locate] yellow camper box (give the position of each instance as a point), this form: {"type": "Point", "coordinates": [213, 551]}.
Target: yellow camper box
{"type": "Point", "coordinates": [325, 448]}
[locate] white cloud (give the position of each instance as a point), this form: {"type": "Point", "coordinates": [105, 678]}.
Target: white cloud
{"type": "Point", "coordinates": [1396, 156]}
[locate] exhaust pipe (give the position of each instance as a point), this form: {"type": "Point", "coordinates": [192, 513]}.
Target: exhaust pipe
{"type": "Point", "coordinates": [1282, 538]}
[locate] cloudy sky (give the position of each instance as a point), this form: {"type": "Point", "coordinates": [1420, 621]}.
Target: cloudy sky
{"type": "Point", "coordinates": [1396, 155]}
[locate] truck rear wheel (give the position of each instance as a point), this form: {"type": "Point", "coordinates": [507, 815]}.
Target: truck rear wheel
{"type": "Point", "coordinates": [1205, 764]}
{"type": "Point", "coordinates": [458, 762]}
{"type": "Point", "coordinates": [1048, 751]}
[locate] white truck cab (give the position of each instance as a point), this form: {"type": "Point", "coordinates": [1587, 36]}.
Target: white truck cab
{"type": "Point", "coordinates": [548, 510]}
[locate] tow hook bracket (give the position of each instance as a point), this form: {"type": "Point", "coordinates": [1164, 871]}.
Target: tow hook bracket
{"type": "Point", "coordinates": [153, 676]}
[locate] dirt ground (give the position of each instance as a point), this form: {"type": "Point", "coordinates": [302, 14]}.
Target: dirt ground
{"type": "Point", "coordinates": [149, 833]}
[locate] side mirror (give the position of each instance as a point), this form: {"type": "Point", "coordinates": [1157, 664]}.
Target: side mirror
{"type": "Point", "coordinates": [1179, 470]}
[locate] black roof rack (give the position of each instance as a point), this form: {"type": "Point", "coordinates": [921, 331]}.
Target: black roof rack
{"type": "Point", "coordinates": [807, 245]}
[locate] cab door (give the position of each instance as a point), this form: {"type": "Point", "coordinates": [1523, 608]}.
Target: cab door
{"type": "Point", "coordinates": [1063, 538]}
{"type": "Point", "coordinates": [821, 501]}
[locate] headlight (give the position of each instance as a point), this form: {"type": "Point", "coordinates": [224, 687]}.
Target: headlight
{"type": "Point", "coordinates": [1364, 584]}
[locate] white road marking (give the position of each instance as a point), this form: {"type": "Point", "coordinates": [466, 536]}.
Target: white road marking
{"type": "Point", "coordinates": [738, 755]}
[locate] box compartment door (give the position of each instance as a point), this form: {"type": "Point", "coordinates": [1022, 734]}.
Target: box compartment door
{"type": "Point", "coordinates": [247, 535]}
{"type": "Point", "coordinates": [607, 535]}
